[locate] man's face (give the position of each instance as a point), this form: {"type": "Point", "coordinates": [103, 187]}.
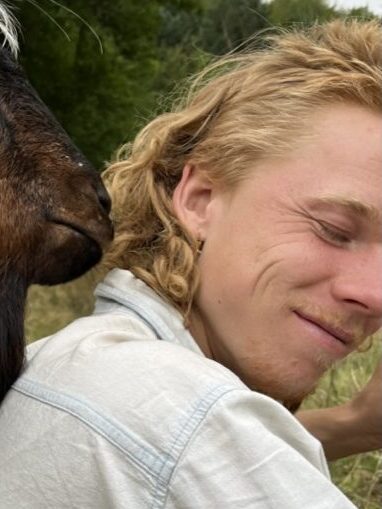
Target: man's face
{"type": "Point", "coordinates": [291, 268]}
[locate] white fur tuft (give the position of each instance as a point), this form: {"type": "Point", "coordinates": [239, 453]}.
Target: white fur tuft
{"type": "Point", "coordinates": [8, 29]}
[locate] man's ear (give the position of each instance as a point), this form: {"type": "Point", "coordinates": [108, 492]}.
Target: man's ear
{"type": "Point", "coordinates": [191, 198]}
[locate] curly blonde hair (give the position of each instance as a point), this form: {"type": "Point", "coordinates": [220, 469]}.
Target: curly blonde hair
{"type": "Point", "coordinates": [240, 109]}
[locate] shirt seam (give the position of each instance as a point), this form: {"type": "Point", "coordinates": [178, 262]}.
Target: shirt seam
{"type": "Point", "coordinates": [158, 468]}
{"type": "Point", "coordinates": [182, 440]}
{"type": "Point", "coordinates": [91, 417]}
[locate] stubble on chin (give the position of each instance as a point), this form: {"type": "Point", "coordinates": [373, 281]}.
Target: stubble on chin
{"type": "Point", "coordinates": [286, 384]}
{"type": "Point", "coordinates": [292, 392]}
{"type": "Point", "coordinates": [290, 397]}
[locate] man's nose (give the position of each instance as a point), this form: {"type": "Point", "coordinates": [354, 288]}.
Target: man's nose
{"type": "Point", "coordinates": [359, 283]}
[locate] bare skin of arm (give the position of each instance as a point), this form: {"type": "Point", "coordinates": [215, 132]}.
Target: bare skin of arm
{"type": "Point", "coordinates": [352, 428]}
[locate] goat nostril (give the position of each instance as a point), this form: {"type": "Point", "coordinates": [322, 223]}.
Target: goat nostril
{"type": "Point", "coordinates": [103, 198]}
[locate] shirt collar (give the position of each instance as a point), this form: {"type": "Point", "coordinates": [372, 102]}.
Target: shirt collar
{"type": "Point", "coordinates": [122, 287]}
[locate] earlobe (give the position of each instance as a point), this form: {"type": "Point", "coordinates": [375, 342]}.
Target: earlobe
{"type": "Point", "coordinates": [191, 198]}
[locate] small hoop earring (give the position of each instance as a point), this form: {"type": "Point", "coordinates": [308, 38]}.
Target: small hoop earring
{"type": "Point", "coordinates": [199, 247]}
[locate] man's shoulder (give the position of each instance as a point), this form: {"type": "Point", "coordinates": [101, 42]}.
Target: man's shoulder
{"type": "Point", "coordinates": [122, 373]}
{"type": "Point", "coordinates": [118, 350]}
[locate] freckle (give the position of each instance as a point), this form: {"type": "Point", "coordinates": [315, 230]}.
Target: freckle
{"type": "Point", "coordinates": [219, 301]}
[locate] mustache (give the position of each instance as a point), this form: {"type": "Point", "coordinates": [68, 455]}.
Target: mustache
{"type": "Point", "coordinates": [351, 328]}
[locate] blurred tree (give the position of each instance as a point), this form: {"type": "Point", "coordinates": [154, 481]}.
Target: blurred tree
{"type": "Point", "coordinates": [179, 53]}
{"type": "Point", "coordinates": [100, 98]}
{"type": "Point", "coordinates": [359, 13]}
{"type": "Point", "coordinates": [226, 24]}
{"type": "Point", "coordinates": [287, 12]}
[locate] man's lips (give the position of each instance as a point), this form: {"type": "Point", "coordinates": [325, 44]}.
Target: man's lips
{"type": "Point", "coordinates": [346, 337]}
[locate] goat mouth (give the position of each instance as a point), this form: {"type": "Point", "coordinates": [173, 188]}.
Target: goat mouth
{"type": "Point", "coordinates": [69, 252]}
{"type": "Point", "coordinates": [74, 228]}
{"type": "Point", "coordinates": [99, 233]}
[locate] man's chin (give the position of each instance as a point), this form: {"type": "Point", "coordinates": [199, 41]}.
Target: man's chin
{"type": "Point", "coordinates": [292, 394]}
{"type": "Point", "coordinates": [294, 404]}
{"type": "Point", "coordinates": [290, 398]}
{"type": "Point", "coordinates": [289, 384]}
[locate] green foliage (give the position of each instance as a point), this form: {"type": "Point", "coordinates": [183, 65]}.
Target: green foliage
{"type": "Point", "coordinates": [98, 97]}
{"type": "Point", "coordinates": [288, 12]}
{"type": "Point", "coordinates": [227, 25]}
{"type": "Point", "coordinates": [359, 13]}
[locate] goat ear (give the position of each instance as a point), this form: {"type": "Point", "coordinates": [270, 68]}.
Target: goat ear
{"type": "Point", "coordinates": [12, 299]}
{"type": "Point", "coordinates": [191, 199]}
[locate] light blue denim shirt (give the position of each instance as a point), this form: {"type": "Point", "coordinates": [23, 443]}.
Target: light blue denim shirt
{"type": "Point", "coordinates": [122, 410]}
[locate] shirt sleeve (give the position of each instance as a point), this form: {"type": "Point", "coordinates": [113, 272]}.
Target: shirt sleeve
{"type": "Point", "coordinates": [249, 452]}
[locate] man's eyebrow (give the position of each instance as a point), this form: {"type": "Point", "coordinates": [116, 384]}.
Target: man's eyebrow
{"type": "Point", "coordinates": [352, 205]}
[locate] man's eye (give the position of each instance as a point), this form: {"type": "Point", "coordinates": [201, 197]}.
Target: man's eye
{"type": "Point", "coordinates": [333, 234]}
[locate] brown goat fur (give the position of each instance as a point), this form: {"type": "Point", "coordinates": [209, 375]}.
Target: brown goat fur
{"type": "Point", "coordinates": [54, 220]}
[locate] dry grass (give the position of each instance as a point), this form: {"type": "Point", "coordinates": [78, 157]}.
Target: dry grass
{"type": "Point", "coordinates": [51, 308]}
{"type": "Point", "coordinates": [360, 476]}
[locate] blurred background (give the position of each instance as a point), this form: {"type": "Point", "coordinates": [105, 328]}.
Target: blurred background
{"type": "Point", "coordinates": [107, 67]}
